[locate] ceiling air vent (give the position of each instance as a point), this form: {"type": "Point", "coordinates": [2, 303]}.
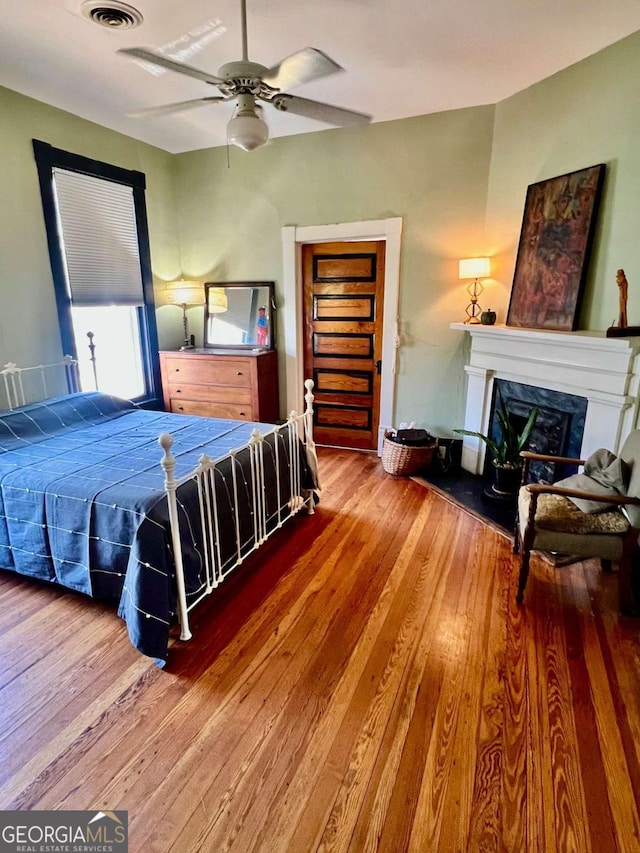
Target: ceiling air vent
{"type": "Point", "coordinates": [113, 14]}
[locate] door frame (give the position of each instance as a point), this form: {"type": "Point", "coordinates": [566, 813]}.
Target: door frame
{"type": "Point", "coordinates": [293, 237]}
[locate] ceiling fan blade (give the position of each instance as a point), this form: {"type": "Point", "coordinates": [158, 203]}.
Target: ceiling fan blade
{"type": "Point", "coordinates": [172, 65]}
{"type": "Point", "coordinates": [177, 107]}
{"type": "Point", "coordinates": [301, 67]}
{"type": "Point", "coordinates": [322, 112]}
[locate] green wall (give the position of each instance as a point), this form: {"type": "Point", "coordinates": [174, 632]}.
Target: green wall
{"type": "Point", "coordinates": [584, 115]}
{"type": "Point", "coordinates": [432, 171]}
{"type": "Point", "coordinates": [457, 179]}
{"type": "Point", "coordinates": [28, 320]}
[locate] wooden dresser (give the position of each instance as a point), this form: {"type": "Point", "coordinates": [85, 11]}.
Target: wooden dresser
{"type": "Point", "coordinates": [236, 384]}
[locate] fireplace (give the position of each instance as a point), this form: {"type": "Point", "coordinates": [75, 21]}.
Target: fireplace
{"type": "Point", "coordinates": [558, 428]}
{"type": "Point", "coordinates": [604, 372]}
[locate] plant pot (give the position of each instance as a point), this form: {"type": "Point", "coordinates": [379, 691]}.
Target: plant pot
{"type": "Point", "coordinates": [506, 481]}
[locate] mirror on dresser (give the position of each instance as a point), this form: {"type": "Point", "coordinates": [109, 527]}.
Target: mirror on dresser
{"type": "Point", "coordinates": [239, 314]}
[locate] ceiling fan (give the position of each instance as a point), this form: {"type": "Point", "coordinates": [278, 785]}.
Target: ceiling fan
{"type": "Point", "coordinates": [248, 82]}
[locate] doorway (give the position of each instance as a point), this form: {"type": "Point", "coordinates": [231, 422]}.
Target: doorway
{"type": "Point", "coordinates": [293, 238]}
{"type": "Point", "coordinates": [343, 301]}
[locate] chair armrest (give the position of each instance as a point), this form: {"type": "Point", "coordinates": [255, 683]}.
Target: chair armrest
{"type": "Point", "coordinates": [615, 500]}
{"type": "Point", "coordinates": [543, 457]}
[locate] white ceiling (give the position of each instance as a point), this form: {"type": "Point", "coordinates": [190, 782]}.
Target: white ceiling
{"type": "Point", "coordinates": [401, 57]}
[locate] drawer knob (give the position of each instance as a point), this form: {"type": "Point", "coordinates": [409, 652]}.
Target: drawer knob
{"type": "Point", "coordinates": [178, 390]}
{"type": "Point", "coordinates": [239, 373]}
{"type": "Point", "coordinates": [242, 413]}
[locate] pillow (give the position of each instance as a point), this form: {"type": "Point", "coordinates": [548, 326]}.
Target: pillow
{"type": "Point", "coordinates": [604, 474]}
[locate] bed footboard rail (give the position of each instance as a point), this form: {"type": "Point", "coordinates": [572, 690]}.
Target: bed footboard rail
{"type": "Point", "coordinates": [284, 477]}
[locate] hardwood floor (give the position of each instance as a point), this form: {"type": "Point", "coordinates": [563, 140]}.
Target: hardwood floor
{"type": "Point", "coordinates": [368, 683]}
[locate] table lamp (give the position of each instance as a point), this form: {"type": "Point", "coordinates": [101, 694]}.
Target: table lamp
{"type": "Point", "coordinates": [474, 268]}
{"type": "Point", "coordinates": [184, 293]}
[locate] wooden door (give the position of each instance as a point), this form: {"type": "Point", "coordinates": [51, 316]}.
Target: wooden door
{"type": "Point", "coordinates": [343, 300]}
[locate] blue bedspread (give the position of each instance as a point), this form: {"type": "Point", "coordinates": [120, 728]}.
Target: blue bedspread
{"type": "Point", "coordinates": [82, 503]}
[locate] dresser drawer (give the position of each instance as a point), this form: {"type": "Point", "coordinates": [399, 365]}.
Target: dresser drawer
{"type": "Point", "coordinates": [211, 393]}
{"type": "Point", "coordinates": [234, 411]}
{"type": "Point", "coordinates": [232, 371]}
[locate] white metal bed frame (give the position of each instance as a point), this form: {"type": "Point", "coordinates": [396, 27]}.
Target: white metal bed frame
{"type": "Point", "coordinates": [298, 428]}
{"type": "Point", "coordinates": [12, 376]}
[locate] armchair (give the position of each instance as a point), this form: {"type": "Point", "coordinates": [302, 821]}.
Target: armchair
{"type": "Point", "coordinates": [548, 521]}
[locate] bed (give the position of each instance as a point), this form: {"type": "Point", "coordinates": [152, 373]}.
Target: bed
{"type": "Point", "coordinates": [146, 510]}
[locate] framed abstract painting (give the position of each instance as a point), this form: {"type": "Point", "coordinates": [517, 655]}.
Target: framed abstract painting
{"type": "Point", "coordinates": [553, 253]}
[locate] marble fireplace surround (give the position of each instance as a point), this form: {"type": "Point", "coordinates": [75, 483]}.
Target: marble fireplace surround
{"type": "Point", "coordinates": [604, 370]}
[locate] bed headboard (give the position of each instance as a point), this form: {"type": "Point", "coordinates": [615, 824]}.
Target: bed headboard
{"type": "Point", "coordinates": [22, 385]}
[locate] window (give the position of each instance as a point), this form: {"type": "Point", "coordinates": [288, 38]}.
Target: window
{"type": "Point", "coordinates": [98, 245]}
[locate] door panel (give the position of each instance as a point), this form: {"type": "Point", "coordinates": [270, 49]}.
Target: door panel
{"type": "Point", "coordinates": [342, 381]}
{"type": "Point", "coordinates": [343, 302]}
{"type": "Point", "coordinates": [353, 417]}
{"type": "Point", "coordinates": [354, 266]}
{"type": "Point", "coordinates": [343, 307]}
{"type": "Point", "coordinates": [342, 345]}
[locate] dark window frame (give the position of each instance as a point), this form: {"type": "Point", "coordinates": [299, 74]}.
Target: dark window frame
{"type": "Point", "coordinates": [47, 157]}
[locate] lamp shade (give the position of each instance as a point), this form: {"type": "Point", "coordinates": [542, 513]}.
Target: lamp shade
{"type": "Point", "coordinates": [183, 293]}
{"type": "Point", "coordinates": [217, 302]}
{"type": "Point", "coordinates": [474, 268]}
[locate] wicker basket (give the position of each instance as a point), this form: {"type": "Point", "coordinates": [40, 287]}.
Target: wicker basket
{"type": "Point", "coordinates": [402, 459]}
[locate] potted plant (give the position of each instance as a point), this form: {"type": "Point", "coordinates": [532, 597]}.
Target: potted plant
{"type": "Point", "coordinates": [505, 449]}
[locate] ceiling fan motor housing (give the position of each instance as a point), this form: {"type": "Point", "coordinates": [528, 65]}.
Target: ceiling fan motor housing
{"type": "Point", "coordinates": [246, 76]}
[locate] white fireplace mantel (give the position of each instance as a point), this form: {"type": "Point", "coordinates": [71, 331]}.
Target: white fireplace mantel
{"type": "Point", "coordinates": [606, 371]}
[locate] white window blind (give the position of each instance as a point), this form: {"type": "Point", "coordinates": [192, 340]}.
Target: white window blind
{"type": "Point", "coordinates": [99, 239]}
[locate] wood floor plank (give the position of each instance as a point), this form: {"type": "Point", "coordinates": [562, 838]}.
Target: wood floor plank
{"type": "Point", "coordinates": [402, 631]}
{"type": "Point", "coordinates": [328, 602]}
{"type": "Point", "coordinates": [564, 803]}
{"type": "Point", "coordinates": [344, 619]}
{"type": "Point", "coordinates": [332, 740]}
{"type": "Point", "coordinates": [366, 683]}
{"type": "Point", "coordinates": [403, 750]}
{"type": "Point", "coordinates": [517, 798]}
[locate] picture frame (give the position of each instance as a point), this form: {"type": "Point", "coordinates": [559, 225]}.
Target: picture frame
{"type": "Point", "coordinates": [556, 237]}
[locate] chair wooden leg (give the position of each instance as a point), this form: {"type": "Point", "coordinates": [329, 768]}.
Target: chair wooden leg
{"type": "Point", "coordinates": [517, 543]}
{"type": "Point", "coordinates": [628, 569]}
{"type": "Point", "coordinates": [528, 538]}
{"type": "Point", "coordinates": [524, 574]}
{"type": "Point", "coordinates": [628, 606]}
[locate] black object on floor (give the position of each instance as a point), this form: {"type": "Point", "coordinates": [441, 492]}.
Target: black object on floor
{"type": "Point", "coordinates": [469, 490]}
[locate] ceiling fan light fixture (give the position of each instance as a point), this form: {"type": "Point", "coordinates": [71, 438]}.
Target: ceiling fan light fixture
{"type": "Point", "coordinates": [247, 129]}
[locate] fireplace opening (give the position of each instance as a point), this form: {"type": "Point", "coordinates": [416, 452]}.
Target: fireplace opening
{"type": "Point", "coordinates": [558, 429]}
